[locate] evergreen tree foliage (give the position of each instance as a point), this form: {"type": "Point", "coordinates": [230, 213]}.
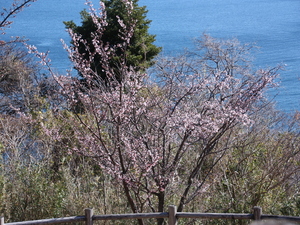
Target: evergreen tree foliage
{"type": "Point", "coordinates": [140, 51]}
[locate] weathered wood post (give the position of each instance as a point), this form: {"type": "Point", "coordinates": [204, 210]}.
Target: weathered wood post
{"type": "Point", "coordinates": [89, 216]}
{"type": "Point", "coordinates": [172, 215]}
{"type": "Point", "coordinates": [257, 211]}
{"type": "Point", "coordinates": [1, 220]}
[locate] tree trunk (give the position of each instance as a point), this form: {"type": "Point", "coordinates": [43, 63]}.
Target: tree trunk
{"type": "Point", "coordinates": [131, 202]}
{"type": "Point", "coordinates": [161, 204]}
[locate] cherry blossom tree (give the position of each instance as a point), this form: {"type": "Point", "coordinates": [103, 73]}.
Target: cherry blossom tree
{"type": "Point", "coordinates": [159, 134]}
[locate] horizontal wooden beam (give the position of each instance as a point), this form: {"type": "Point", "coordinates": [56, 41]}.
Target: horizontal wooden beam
{"type": "Point", "coordinates": [274, 217]}
{"type": "Point", "coordinates": [214, 215]}
{"type": "Point", "coordinates": [50, 221]}
{"type": "Point", "coordinates": [172, 215]}
{"type": "Point", "coordinates": [131, 216]}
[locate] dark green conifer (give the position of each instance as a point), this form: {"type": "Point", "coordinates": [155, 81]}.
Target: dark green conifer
{"type": "Point", "coordinates": [140, 51]}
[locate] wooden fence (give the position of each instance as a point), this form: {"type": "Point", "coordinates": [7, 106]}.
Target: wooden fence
{"type": "Point", "coordinates": [172, 215]}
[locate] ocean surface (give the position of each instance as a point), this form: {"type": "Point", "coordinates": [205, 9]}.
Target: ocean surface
{"type": "Point", "coordinates": [273, 25]}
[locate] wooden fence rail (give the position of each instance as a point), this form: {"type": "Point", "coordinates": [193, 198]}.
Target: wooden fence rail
{"type": "Point", "coordinates": [172, 215]}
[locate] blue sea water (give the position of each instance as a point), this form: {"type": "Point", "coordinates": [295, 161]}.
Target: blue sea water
{"type": "Point", "coordinates": [273, 25]}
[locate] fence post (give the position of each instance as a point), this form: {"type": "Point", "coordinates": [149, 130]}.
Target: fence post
{"type": "Point", "coordinates": [1, 220]}
{"type": "Point", "coordinates": [89, 216]}
{"type": "Point", "coordinates": [257, 211]}
{"type": "Point", "coordinates": [172, 215]}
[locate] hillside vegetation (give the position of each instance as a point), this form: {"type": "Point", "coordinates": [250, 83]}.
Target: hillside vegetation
{"type": "Point", "coordinates": [196, 130]}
